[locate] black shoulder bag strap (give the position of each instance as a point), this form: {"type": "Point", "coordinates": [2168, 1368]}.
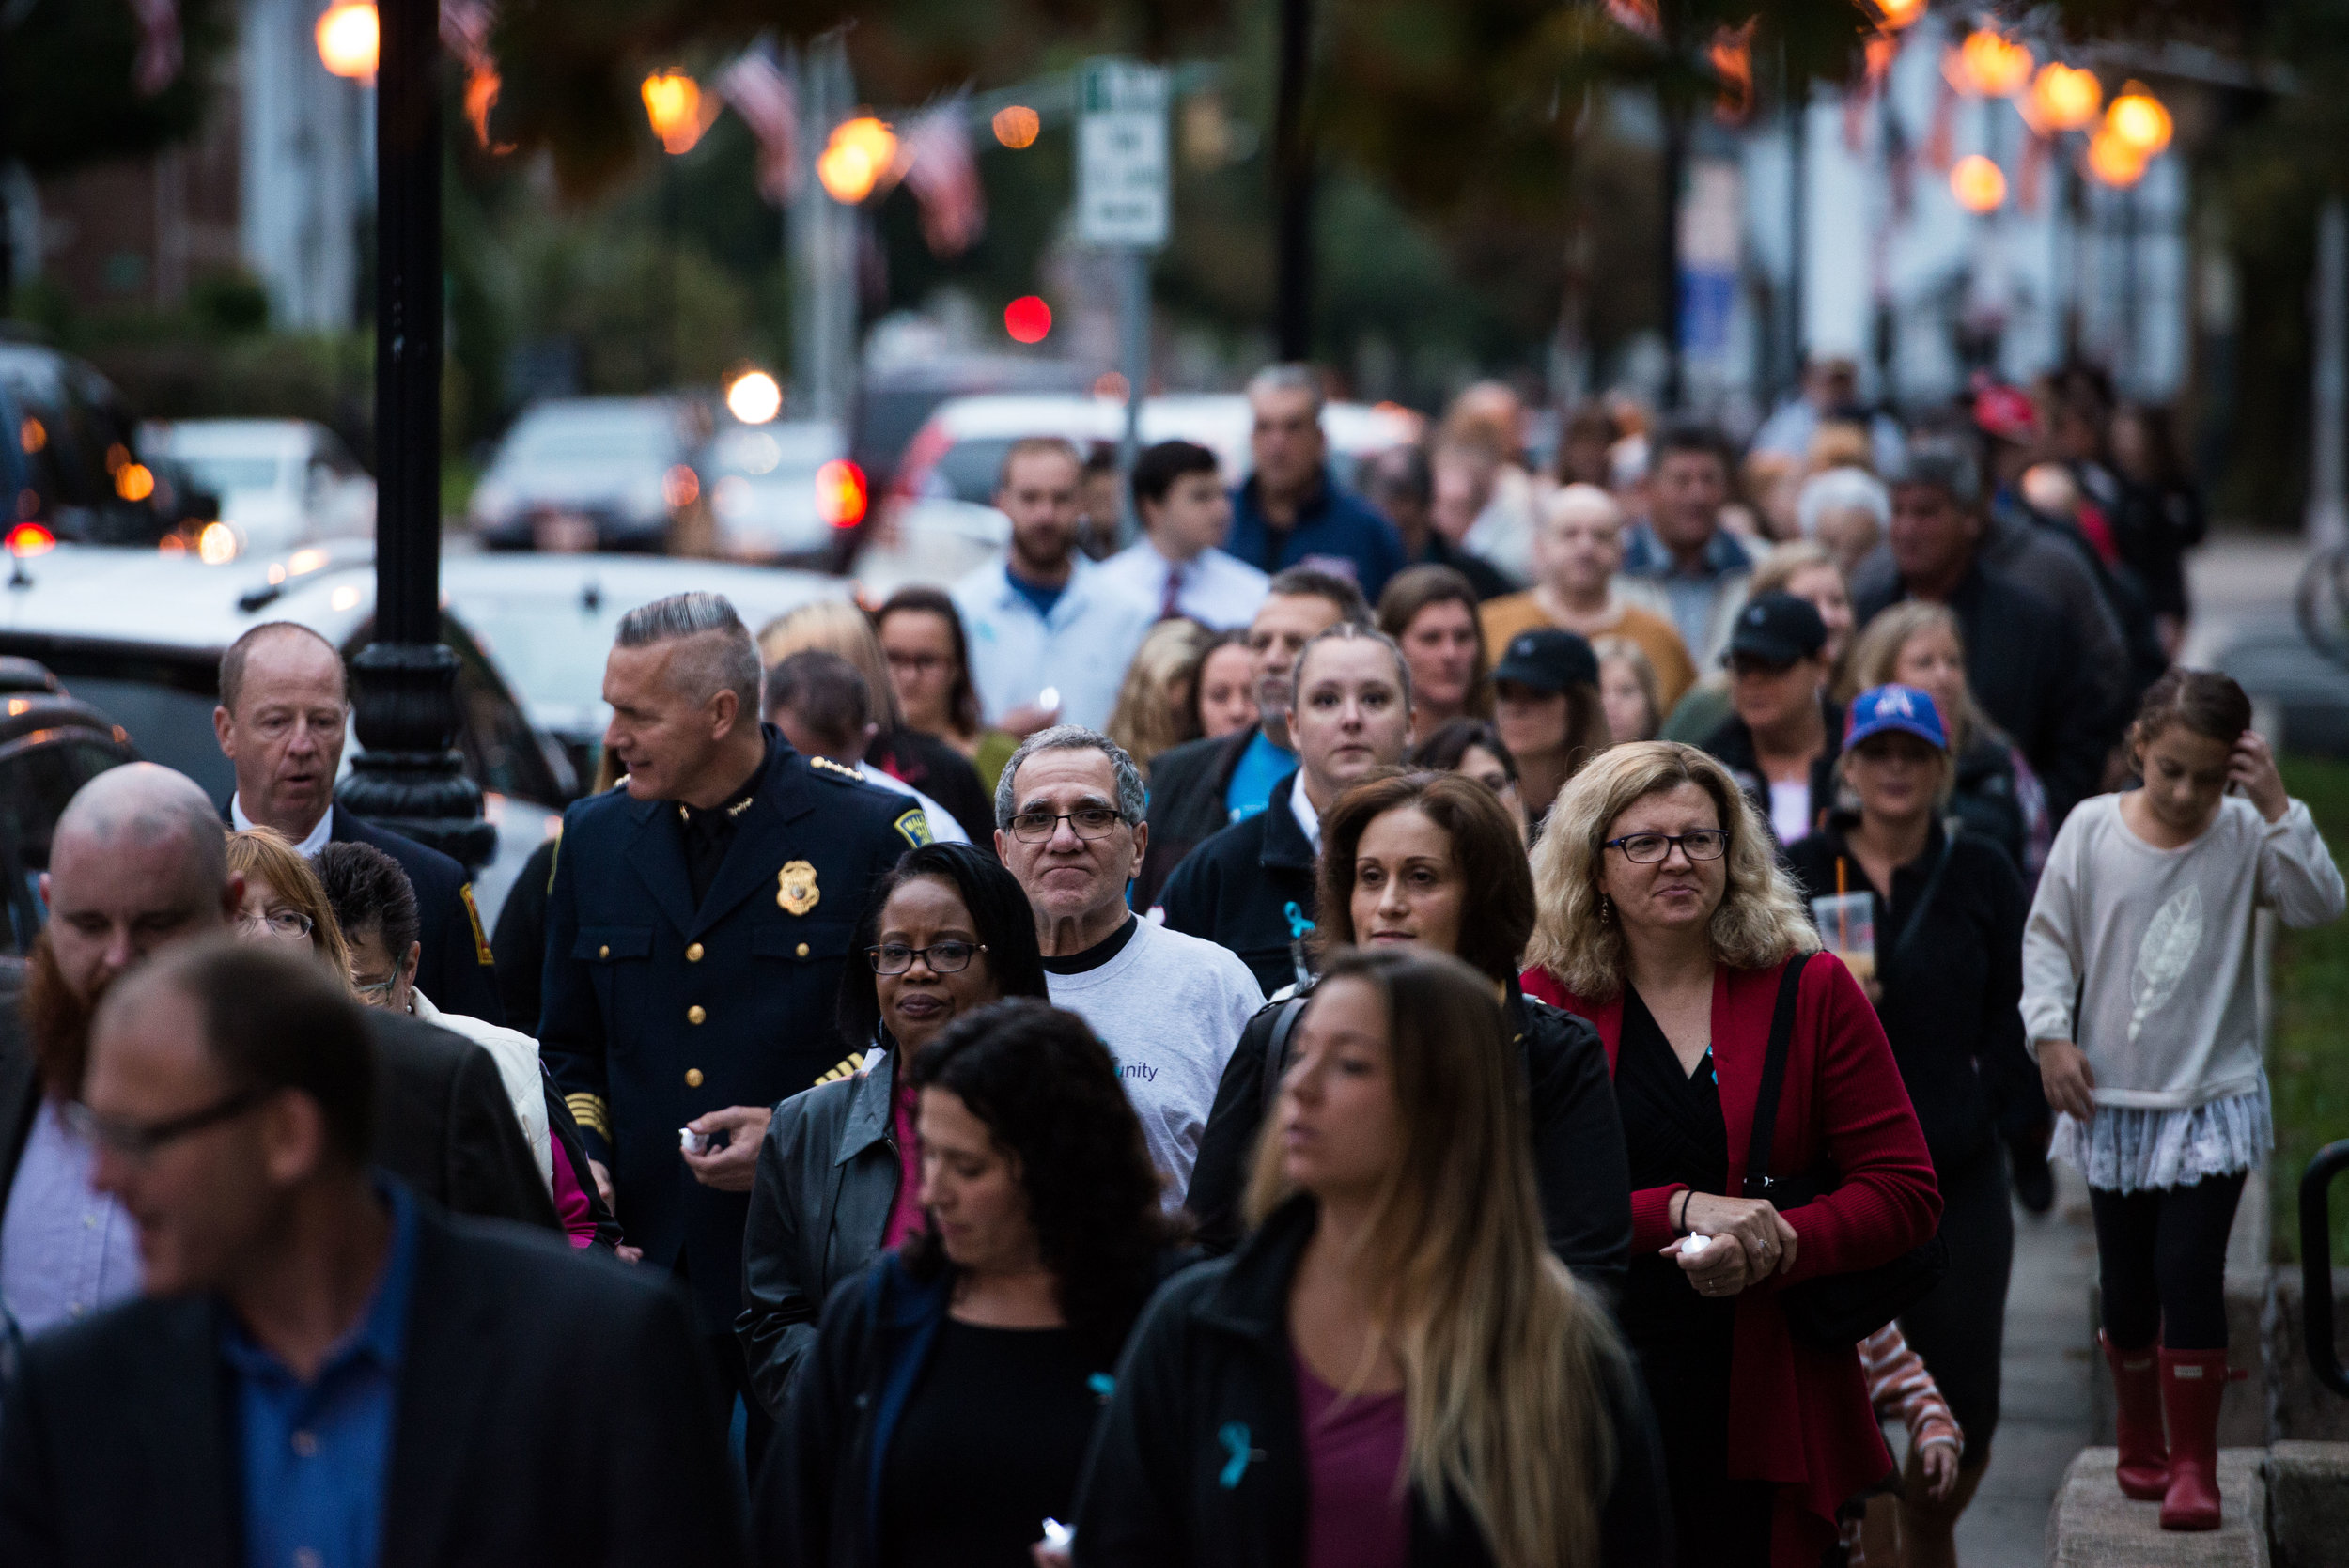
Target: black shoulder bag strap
{"type": "Point", "coordinates": [1759, 1183]}
{"type": "Point", "coordinates": [1924, 901]}
{"type": "Point", "coordinates": [1276, 1051]}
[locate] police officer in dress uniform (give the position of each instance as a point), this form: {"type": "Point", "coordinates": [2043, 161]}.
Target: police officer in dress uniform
{"type": "Point", "coordinates": [695, 929]}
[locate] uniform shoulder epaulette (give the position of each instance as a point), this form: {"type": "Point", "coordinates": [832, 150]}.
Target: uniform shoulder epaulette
{"type": "Point", "coordinates": [836, 769]}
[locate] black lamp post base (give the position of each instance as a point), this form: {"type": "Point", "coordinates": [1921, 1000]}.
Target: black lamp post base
{"type": "Point", "coordinates": [408, 777]}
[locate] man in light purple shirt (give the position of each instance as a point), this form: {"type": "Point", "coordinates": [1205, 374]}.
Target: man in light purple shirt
{"type": "Point", "coordinates": [137, 861]}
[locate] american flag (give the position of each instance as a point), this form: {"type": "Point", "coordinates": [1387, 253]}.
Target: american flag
{"type": "Point", "coordinates": [764, 96]}
{"type": "Point", "coordinates": [159, 58]}
{"type": "Point", "coordinates": [934, 158]}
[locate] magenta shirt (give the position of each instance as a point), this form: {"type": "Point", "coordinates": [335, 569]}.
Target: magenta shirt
{"type": "Point", "coordinates": [905, 1210]}
{"type": "Point", "coordinates": [1356, 1514]}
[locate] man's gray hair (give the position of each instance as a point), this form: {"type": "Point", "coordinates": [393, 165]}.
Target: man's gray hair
{"type": "Point", "coordinates": [1288, 378]}
{"type": "Point", "coordinates": [727, 660]}
{"type": "Point", "coordinates": [1132, 799]}
{"type": "Point", "coordinates": [1945, 460]}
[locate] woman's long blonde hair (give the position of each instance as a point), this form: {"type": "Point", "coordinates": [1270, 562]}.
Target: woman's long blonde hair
{"type": "Point", "coordinates": [1145, 720]}
{"type": "Point", "coordinates": [1876, 655]}
{"type": "Point", "coordinates": [1761, 922]}
{"type": "Point", "coordinates": [1509, 1366]}
{"type": "Point", "coordinates": [266, 853]}
{"type": "Point", "coordinates": [835, 626]}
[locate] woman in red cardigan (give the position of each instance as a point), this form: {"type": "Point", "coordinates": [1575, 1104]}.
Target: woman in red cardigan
{"type": "Point", "coordinates": [1665, 921]}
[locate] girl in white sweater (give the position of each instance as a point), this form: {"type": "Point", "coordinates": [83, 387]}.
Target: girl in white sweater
{"type": "Point", "coordinates": [2143, 923]}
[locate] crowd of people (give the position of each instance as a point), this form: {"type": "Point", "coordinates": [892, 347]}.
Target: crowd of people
{"type": "Point", "coordinates": [1497, 1015]}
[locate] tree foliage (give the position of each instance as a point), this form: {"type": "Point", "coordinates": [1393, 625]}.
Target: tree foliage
{"type": "Point", "coordinates": [67, 94]}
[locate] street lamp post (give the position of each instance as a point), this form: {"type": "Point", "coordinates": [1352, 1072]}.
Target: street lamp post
{"type": "Point", "coordinates": [409, 777]}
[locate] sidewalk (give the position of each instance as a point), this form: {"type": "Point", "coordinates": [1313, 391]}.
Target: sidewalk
{"type": "Point", "coordinates": [2044, 1398]}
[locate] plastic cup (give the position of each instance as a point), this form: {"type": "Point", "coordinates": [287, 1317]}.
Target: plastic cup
{"type": "Point", "coordinates": [1848, 924]}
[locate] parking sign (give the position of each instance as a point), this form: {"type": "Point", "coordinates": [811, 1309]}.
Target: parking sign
{"type": "Point", "coordinates": [1121, 155]}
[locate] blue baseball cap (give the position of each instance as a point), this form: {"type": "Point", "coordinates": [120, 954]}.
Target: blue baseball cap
{"type": "Point", "coordinates": [1895, 708]}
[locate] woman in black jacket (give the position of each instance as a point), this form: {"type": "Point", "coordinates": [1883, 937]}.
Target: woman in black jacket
{"type": "Point", "coordinates": [1433, 861]}
{"type": "Point", "coordinates": [1392, 1368]}
{"type": "Point", "coordinates": [946, 932]}
{"type": "Point", "coordinates": [1948, 980]}
{"type": "Point", "coordinates": [945, 1409]}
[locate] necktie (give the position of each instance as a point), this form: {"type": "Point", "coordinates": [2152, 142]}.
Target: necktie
{"type": "Point", "coordinates": [1168, 609]}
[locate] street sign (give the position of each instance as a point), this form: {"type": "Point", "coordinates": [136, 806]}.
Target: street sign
{"type": "Point", "coordinates": [1121, 155]}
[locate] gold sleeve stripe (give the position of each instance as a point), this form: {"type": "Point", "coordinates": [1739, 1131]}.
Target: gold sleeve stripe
{"type": "Point", "coordinates": [589, 1110]}
{"type": "Point", "coordinates": [849, 1067]}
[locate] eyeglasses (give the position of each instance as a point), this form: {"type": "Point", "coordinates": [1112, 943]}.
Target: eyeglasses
{"type": "Point", "coordinates": [1034, 826]}
{"type": "Point", "coordinates": [141, 1139]}
{"type": "Point", "coordinates": [292, 925]}
{"type": "Point", "coordinates": [374, 992]}
{"type": "Point", "coordinates": [919, 664]}
{"type": "Point", "coordinates": [1702, 843]}
{"type": "Point", "coordinates": [941, 958]}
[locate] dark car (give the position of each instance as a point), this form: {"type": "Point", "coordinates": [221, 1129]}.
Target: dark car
{"type": "Point", "coordinates": [50, 745]}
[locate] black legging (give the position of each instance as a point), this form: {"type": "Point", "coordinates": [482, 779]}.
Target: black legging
{"type": "Point", "coordinates": [1960, 1326]}
{"type": "Point", "coordinates": [2162, 1256]}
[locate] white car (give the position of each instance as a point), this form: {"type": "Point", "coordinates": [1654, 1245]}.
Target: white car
{"type": "Point", "coordinates": [584, 474]}
{"type": "Point", "coordinates": [937, 524]}
{"type": "Point", "coordinates": [281, 482]}
{"type": "Point", "coordinates": [783, 491]}
{"type": "Point", "coordinates": [549, 619]}
{"type": "Point", "coordinates": [138, 634]}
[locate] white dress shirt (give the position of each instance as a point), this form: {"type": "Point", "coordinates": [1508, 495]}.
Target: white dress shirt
{"type": "Point", "coordinates": [316, 840]}
{"type": "Point", "coordinates": [1219, 591]}
{"type": "Point", "coordinates": [1081, 649]}
{"type": "Point", "coordinates": [1303, 805]}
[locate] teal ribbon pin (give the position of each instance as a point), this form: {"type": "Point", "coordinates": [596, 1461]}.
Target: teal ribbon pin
{"type": "Point", "coordinates": [1233, 1435]}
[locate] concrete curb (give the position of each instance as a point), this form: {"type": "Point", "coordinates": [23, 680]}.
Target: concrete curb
{"type": "Point", "coordinates": [2093, 1526]}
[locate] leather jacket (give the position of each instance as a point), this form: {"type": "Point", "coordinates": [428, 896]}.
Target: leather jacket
{"type": "Point", "coordinates": [828, 1173]}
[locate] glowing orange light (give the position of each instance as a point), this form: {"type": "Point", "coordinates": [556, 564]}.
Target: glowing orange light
{"type": "Point", "coordinates": [2138, 118]}
{"type": "Point", "coordinates": [1015, 127]}
{"type": "Point", "coordinates": [1027, 318]}
{"type": "Point", "coordinates": [31, 538]}
{"type": "Point", "coordinates": [18, 706]}
{"type": "Point", "coordinates": [217, 545]}
{"type": "Point", "coordinates": [861, 152]}
{"type": "Point", "coordinates": [32, 435]}
{"type": "Point", "coordinates": [681, 487]}
{"type": "Point", "coordinates": [2113, 162]}
{"type": "Point", "coordinates": [1978, 184]}
{"type": "Point", "coordinates": [1992, 64]}
{"type": "Point", "coordinates": [673, 102]}
{"type": "Point", "coordinates": [481, 96]}
{"type": "Point", "coordinates": [349, 39]}
{"type": "Point", "coordinates": [1893, 15]}
{"type": "Point", "coordinates": [2063, 99]}
{"type": "Point", "coordinates": [134, 481]}
{"type": "Point", "coordinates": [1731, 57]}
{"type": "Point", "coordinates": [841, 493]}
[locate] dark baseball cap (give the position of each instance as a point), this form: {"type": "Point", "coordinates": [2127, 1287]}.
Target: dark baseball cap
{"type": "Point", "coordinates": [1778, 628]}
{"type": "Point", "coordinates": [1548, 660]}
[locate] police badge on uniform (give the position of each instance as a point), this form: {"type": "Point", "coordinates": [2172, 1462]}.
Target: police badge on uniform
{"type": "Point", "coordinates": [795, 887]}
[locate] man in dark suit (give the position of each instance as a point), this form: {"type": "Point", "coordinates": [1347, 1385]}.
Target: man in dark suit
{"type": "Point", "coordinates": [284, 712]}
{"type": "Point", "coordinates": [1200, 787]}
{"type": "Point", "coordinates": [695, 931]}
{"type": "Point", "coordinates": [137, 865]}
{"type": "Point", "coordinates": [325, 1368]}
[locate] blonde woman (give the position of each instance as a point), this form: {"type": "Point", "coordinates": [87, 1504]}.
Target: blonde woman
{"type": "Point", "coordinates": [1392, 1368]}
{"type": "Point", "coordinates": [284, 901]}
{"type": "Point", "coordinates": [1627, 690]}
{"type": "Point", "coordinates": [1154, 706]}
{"type": "Point", "coordinates": [1993, 792]}
{"type": "Point", "coordinates": [1664, 920]}
{"type": "Point", "coordinates": [929, 764]}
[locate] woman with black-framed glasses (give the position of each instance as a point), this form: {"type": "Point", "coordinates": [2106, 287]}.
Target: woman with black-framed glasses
{"type": "Point", "coordinates": [947, 932]}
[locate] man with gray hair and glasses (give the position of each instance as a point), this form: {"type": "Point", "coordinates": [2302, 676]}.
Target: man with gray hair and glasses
{"type": "Point", "coordinates": [1290, 512]}
{"type": "Point", "coordinates": [699, 915]}
{"type": "Point", "coordinates": [1068, 814]}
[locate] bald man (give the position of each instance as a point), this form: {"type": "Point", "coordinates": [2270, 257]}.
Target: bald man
{"type": "Point", "coordinates": [284, 714]}
{"type": "Point", "coordinates": [136, 865]}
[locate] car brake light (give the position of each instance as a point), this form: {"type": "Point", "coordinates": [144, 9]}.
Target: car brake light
{"type": "Point", "coordinates": [30, 538]}
{"type": "Point", "coordinates": [840, 493]}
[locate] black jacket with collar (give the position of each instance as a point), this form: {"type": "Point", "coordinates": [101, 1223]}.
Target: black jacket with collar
{"type": "Point", "coordinates": [1239, 887]}
{"type": "Point", "coordinates": [1731, 745]}
{"type": "Point", "coordinates": [828, 1175]}
{"type": "Point", "coordinates": [549, 1408]}
{"type": "Point", "coordinates": [1187, 786]}
{"type": "Point", "coordinates": [660, 1009]}
{"type": "Point", "coordinates": [1951, 998]}
{"type": "Point", "coordinates": [1579, 1162]}
{"type": "Point", "coordinates": [442, 1122]}
{"type": "Point", "coordinates": [1200, 1459]}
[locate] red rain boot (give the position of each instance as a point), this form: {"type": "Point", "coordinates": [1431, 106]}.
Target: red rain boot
{"type": "Point", "coordinates": [2192, 1382]}
{"type": "Point", "coordinates": [2144, 1467]}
